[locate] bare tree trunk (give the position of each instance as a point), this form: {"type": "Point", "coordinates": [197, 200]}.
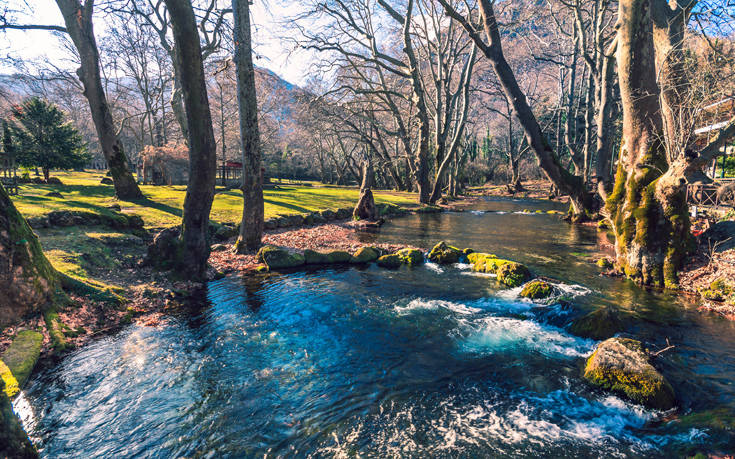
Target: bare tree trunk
{"type": "Point", "coordinates": [251, 226]}
{"type": "Point", "coordinates": [191, 259]}
{"type": "Point", "coordinates": [78, 20]}
{"type": "Point", "coordinates": [365, 208]}
{"type": "Point", "coordinates": [606, 113]}
{"type": "Point", "coordinates": [177, 105]}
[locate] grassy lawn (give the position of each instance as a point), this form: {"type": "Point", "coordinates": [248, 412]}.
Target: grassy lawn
{"type": "Point", "coordinates": [163, 204]}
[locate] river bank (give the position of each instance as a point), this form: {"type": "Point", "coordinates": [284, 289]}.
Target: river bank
{"type": "Point", "coordinates": [113, 260]}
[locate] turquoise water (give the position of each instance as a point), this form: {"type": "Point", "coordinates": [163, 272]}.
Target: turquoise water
{"type": "Point", "coordinates": [433, 361]}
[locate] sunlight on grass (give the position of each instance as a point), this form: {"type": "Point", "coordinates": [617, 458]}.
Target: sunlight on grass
{"type": "Point", "coordinates": [163, 204]}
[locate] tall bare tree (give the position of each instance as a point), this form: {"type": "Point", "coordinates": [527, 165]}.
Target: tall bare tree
{"type": "Point", "coordinates": [191, 259]}
{"type": "Point", "coordinates": [251, 226]}
{"type": "Point", "coordinates": [78, 20]}
{"type": "Point", "coordinates": [562, 179]}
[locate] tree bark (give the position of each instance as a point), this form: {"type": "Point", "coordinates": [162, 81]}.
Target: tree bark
{"type": "Point", "coordinates": [365, 208]}
{"type": "Point", "coordinates": [191, 262]}
{"type": "Point", "coordinates": [251, 226]}
{"type": "Point", "coordinates": [606, 113]}
{"type": "Point", "coordinates": [78, 20]}
{"type": "Point", "coordinates": [27, 277]}
{"type": "Point", "coordinates": [647, 207]}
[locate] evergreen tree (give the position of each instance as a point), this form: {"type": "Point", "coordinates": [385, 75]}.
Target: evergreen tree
{"type": "Point", "coordinates": [42, 137]}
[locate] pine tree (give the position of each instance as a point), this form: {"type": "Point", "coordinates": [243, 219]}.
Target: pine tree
{"type": "Point", "coordinates": [42, 137]}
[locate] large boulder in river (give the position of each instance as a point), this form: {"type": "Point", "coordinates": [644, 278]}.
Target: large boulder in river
{"type": "Point", "coordinates": [277, 258]}
{"type": "Point", "coordinates": [513, 274]}
{"type": "Point", "coordinates": [444, 253]}
{"type": "Point", "coordinates": [600, 324]}
{"type": "Point", "coordinates": [621, 365]}
{"type": "Point", "coordinates": [411, 256]}
{"type": "Point", "coordinates": [537, 290]}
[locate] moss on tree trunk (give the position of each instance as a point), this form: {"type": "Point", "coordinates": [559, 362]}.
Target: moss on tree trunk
{"type": "Point", "coordinates": [651, 224]}
{"type": "Point", "coordinates": [27, 277]}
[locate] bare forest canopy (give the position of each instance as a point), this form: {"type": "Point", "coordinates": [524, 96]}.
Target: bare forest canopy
{"type": "Point", "coordinates": [405, 83]}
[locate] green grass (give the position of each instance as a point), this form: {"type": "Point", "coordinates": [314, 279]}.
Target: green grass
{"type": "Point", "coordinates": [162, 206]}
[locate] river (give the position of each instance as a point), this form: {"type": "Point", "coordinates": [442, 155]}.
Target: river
{"type": "Point", "coordinates": [432, 361]}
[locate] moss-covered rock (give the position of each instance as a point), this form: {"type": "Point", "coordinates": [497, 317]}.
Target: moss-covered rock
{"type": "Point", "coordinates": [411, 256]}
{"type": "Point", "coordinates": [338, 256]}
{"type": "Point", "coordinates": [390, 261]}
{"type": "Point", "coordinates": [621, 365]}
{"type": "Point", "coordinates": [13, 440]}
{"type": "Point", "coordinates": [444, 253]}
{"type": "Point", "coordinates": [600, 324]}
{"type": "Point", "coordinates": [312, 257]}
{"type": "Point", "coordinates": [509, 272]}
{"type": "Point", "coordinates": [485, 262]}
{"type": "Point", "coordinates": [536, 290]}
{"type": "Point", "coordinates": [277, 258]}
{"type": "Point", "coordinates": [19, 359]}
{"type": "Point", "coordinates": [364, 255]}
{"type": "Point", "coordinates": [513, 274]}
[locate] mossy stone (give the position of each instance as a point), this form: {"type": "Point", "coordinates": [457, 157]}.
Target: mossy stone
{"type": "Point", "coordinates": [621, 365]}
{"type": "Point", "coordinates": [513, 274]}
{"type": "Point", "coordinates": [390, 261]}
{"type": "Point", "coordinates": [364, 255]}
{"type": "Point", "coordinates": [485, 262]}
{"type": "Point", "coordinates": [20, 358]}
{"type": "Point", "coordinates": [277, 258]}
{"type": "Point", "coordinates": [444, 253]}
{"type": "Point", "coordinates": [600, 324]}
{"type": "Point", "coordinates": [536, 290]}
{"type": "Point", "coordinates": [312, 257]}
{"type": "Point", "coordinates": [411, 256]}
{"type": "Point", "coordinates": [338, 256]}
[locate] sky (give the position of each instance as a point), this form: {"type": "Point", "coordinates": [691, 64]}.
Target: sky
{"type": "Point", "coordinates": [273, 52]}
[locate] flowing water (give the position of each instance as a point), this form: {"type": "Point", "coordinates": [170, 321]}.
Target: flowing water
{"type": "Point", "coordinates": [433, 361]}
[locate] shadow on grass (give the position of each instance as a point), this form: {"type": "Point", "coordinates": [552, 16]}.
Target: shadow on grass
{"type": "Point", "coordinates": [287, 206]}
{"type": "Point", "coordinates": [148, 202]}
